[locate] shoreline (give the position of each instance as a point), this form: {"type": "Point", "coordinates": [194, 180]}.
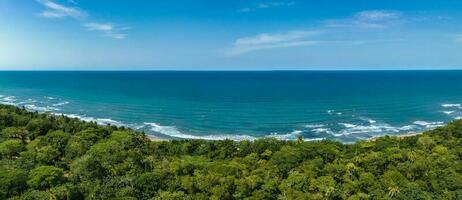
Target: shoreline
{"type": "Point", "coordinates": [155, 139]}
{"type": "Point", "coordinates": [160, 139]}
{"type": "Point", "coordinates": [410, 134]}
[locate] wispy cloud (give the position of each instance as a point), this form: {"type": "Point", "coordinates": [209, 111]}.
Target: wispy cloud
{"type": "Point", "coordinates": [367, 19]}
{"type": "Point", "coordinates": [55, 10]}
{"type": "Point", "coordinates": [377, 15]}
{"type": "Point", "coordinates": [332, 33]}
{"type": "Point", "coordinates": [272, 41]}
{"type": "Point", "coordinates": [108, 29]}
{"type": "Point", "coordinates": [265, 5]}
{"type": "Point", "coordinates": [275, 4]}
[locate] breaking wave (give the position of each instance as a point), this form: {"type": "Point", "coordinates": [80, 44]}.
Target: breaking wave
{"type": "Point", "coordinates": [8, 100]}
{"type": "Point", "coordinates": [32, 107]}
{"type": "Point", "coordinates": [174, 132]}
{"type": "Point", "coordinates": [314, 125]}
{"type": "Point", "coordinates": [61, 103]}
{"type": "Point", "coordinates": [449, 105]}
{"type": "Point", "coordinates": [429, 124]}
{"type": "Point", "coordinates": [99, 121]}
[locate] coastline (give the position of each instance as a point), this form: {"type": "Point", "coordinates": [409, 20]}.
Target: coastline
{"type": "Point", "coordinates": [159, 139]}
{"type": "Point", "coordinates": [156, 139]}
{"type": "Point", "coordinates": [405, 135]}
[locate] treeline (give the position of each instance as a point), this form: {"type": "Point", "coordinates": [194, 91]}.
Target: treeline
{"type": "Point", "coordinates": [56, 157]}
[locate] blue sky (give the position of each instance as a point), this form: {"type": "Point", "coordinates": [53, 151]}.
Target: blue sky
{"type": "Point", "coordinates": [230, 35]}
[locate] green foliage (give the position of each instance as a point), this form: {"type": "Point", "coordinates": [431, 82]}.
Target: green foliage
{"type": "Point", "coordinates": [55, 157]}
{"type": "Point", "coordinates": [14, 133]}
{"type": "Point", "coordinates": [45, 177]}
{"type": "Point", "coordinates": [12, 181]}
{"type": "Point", "coordinates": [10, 148]}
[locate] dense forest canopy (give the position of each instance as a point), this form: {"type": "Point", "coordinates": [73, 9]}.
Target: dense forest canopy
{"type": "Point", "coordinates": [56, 157]}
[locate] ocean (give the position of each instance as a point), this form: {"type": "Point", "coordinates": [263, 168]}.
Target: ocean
{"type": "Point", "coordinates": [345, 106]}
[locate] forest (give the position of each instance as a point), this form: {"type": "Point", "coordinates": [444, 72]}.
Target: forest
{"type": "Point", "coordinates": [44, 156]}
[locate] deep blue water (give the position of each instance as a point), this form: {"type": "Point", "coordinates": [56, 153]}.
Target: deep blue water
{"type": "Point", "coordinates": [341, 105]}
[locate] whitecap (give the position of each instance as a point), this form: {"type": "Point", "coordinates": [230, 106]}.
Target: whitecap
{"type": "Point", "coordinates": [361, 129]}
{"type": "Point", "coordinates": [174, 132]}
{"type": "Point", "coordinates": [290, 136]}
{"type": "Point", "coordinates": [371, 121]}
{"type": "Point", "coordinates": [451, 105]}
{"type": "Point", "coordinates": [138, 127]}
{"type": "Point", "coordinates": [103, 121]}
{"type": "Point", "coordinates": [314, 125]}
{"type": "Point", "coordinates": [99, 121]}
{"type": "Point", "coordinates": [429, 124]}
{"type": "Point", "coordinates": [83, 118]}
{"type": "Point", "coordinates": [296, 132]}
{"type": "Point", "coordinates": [448, 112]}
{"type": "Point", "coordinates": [9, 100]}
{"type": "Point", "coordinates": [33, 107]}
{"type": "Point", "coordinates": [50, 98]}
{"type": "Point", "coordinates": [347, 125]}
{"type": "Point", "coordinates": [408, 128]}
{"type": "Point", "coordinates": [458, 118]}
{"type": "Point", "coordinates": [323, 130]}
{"type": "Point", "coordinates": [61, 103]}
{"type": "Point", "coordinates": [28, 101]}
{"type": "Point", "coordinates": [8, 103]}
{"type": "Point", "coordinates": [421, 123]}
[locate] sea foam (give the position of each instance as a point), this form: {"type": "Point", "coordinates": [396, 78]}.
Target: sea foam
{"type": "Point", "coordinates": [448, 112]}
{"type": "Point", "coordinates": [429, 125]}
{"type": "Point", "coordinates": [314, 125]}
{"type": "Point", "coordinates": [8, 100]}
{"type": "Point", "coordinates": [448, 105]}
{"type": "Point", "coordinates": [99, 121]}
{"type": "Point", "coordinates": [174, 132]}
{"type": "Point", "coordinates": [323, 130]}
{"type": "Point", "coordinates": [32, 107]}
{"type": "Point", "coordinates": [61, 103]}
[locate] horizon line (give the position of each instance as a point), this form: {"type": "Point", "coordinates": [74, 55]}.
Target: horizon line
{"type": "Point", "coordinates": [216, 70]}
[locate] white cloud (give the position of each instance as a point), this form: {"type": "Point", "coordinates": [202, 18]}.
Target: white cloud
{"type": "Point", "coordinates": [272, 41]}
{"type": "Point", "coordinates": [377, 15]}
{"type": "Point", "coordinates": [266, 38]}
{"type": "Point", "coordinates": [370, 19]}
{"type": "Point", "coordinates": [367, 19]}
{"type": "Point", "coordinates": [265, 5]}
{"type": "Point", "coordinates": [55, 10]}
{"type": "Point", "coordinates": [275, 4]}
{"type": "Point", "coordinates": [108, 29]}
{"type": "Point", "coordinates": [99, 27]}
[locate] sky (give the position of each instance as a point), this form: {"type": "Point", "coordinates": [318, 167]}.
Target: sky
{"type": "Point", "coordinates": [230, 35]}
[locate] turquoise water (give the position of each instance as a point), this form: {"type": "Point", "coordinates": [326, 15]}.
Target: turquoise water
{"type": "Point", "coordinates": [340, 105]}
